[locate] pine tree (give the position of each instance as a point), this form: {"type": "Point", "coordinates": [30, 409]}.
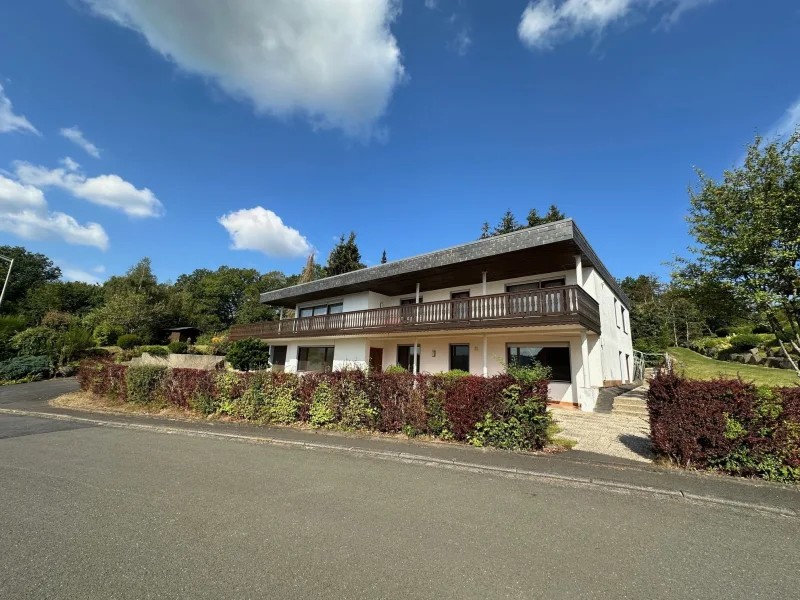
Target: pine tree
{"type": "Point", "coordinates": [383, 258]}
{"type": "Point", "coordinates": [310, 270]}
{"type": "Point", "coordinates": [553, 215]}
{"type": "Point", "coordinates": [507, 224]}
{"type": "Point", "coordinates": [485, 231]}
{"type": "Point", "coordinates": [344, 257]}
{"type": "Point", "coordinates": [534, 219]}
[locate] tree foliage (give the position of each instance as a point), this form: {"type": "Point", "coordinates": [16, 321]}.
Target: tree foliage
{"type": "Point", "coordinates": [747, 229]}
{"type": "Point", "coordinates": [344, 257]}
{"type": "Point", "coordinates": [508, 223]}
{"type": "Point", "coordinates": [30, 271]}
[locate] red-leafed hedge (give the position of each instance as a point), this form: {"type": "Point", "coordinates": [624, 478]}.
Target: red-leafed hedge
{"type": "Point", "coordinates": [497, 410]}
{"type": "Point", "coordinates": [727, 424]}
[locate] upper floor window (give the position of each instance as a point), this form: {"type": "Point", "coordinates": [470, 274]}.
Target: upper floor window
{"type": "Point", "coordinates": [616, 312]}
{"type": "Point", "coordinates": [535, 285]}
{"type": "Point", "coordinates": [322, 309]}
{"type": "Point", "coordinates": [406, 301]}
{"type": "Point", "coordinates": [622, 316]}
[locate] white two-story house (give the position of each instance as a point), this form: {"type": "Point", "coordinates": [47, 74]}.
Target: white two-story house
{"type": "Point", "coordinates": [538, 294]}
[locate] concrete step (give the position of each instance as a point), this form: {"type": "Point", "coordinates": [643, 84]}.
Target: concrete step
{"type": "Point", "coordinates": [629, 402]}
{"type": "Point", "coordinates": [630, 412]}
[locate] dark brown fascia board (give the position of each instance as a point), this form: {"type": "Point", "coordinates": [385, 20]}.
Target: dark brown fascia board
{"type": "Point", "coordinates": [531, 237]}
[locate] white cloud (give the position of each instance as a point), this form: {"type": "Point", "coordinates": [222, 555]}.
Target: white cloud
{"type": "Point", "coordinates": [788, 124]}
{"type": "Point", "coordinates": [71, 273]}
{"type": "Point", "coordinates": [23, 212]}
{"type": "Point", "coordinates": [106, 190]}
{"type": "Point", "coordinates": [431, 4]}
{"type": "Point", "coordinates": [546, 22]}
{"type": "Point", "coordinates": [75, 135]}
{"type": "Point", "coordinates": [9, 121]}
{"type": "Point", "coordinates": [462, 41]}
{"type": "Point", "coordinates": [335, 62]}
{"type": "Point", "coordinates": [262, 230]}
{"type": "Point", "coordinates": [69, 164]}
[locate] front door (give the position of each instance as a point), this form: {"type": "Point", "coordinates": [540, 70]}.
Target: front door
{"type": "Point", "coordinates": [278, 358]}
{"type": "Point", "coordinates": [376, 359]}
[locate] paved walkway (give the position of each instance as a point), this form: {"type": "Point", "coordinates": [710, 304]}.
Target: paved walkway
{"type": "Point", "coordinates": [611, 435]}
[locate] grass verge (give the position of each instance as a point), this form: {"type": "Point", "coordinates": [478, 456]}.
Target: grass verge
{"type": "Point", "coordinates": [697, 366]}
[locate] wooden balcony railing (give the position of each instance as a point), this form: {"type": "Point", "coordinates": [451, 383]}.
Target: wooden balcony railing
{"type": "Point", "coordinates": [550, 306]}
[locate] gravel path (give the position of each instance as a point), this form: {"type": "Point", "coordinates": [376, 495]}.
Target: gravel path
{"type": "Point", "coordinates": [623, 437]}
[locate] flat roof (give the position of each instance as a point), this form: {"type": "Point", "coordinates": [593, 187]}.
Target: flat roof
{"type": "Point", "coordinates": [541, 249]}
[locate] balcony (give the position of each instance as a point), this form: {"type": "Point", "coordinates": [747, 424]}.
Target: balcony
{"type": "Point", "coordinates": [567, 305]}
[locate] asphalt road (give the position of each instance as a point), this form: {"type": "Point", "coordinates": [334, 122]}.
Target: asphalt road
{"type": "Point", "coordinates": [99, 512]}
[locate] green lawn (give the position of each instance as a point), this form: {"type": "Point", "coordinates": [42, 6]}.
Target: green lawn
{"type": "Point", "coordinates": [697, 366]}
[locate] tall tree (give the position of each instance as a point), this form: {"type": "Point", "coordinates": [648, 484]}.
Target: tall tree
{"type": "Point", "coordinates": [533, 218]}
{"type": "Point", "coordinates": [74, 297]}
{"type": "Point", "coordinates": [344, 257]}
{"type": "Point", "coordinates": [554, 214]}
{"type": "Point", "coordinates": [30, 271]}
{"type": "Point", "coordinates": [507, 224]}
{"type": "Point", "coordinates": [310, 270]}
{"type": "Point", "coordinates": [485, 230]}
{"type": "Point", "coordinates": [383, 258]}
{"type": "Point", "coordinates": [748, 231]}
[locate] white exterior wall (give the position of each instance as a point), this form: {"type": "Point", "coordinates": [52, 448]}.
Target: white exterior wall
{"type": "Point", "coordinates": [615, 339]}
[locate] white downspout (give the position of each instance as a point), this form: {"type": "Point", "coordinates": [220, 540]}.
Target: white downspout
{"type": "Point", "coordinates": [485, 356]}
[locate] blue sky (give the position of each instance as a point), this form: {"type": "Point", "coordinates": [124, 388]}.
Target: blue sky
{"type": "Point", "coordinates": [195, 128]}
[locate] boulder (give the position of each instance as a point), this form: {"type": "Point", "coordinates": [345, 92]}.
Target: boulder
{"type": "Point", "coordinates": [755, 358]}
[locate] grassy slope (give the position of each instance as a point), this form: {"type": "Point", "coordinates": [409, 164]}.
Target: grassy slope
{"type": "Point", "coordinates": [697, 366]}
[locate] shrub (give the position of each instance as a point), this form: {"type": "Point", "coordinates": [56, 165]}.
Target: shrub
{"type": "Point", "coordinates": [178, 347]}
{"type": "Point", "coordinates": [36, 341]}
{"type": "Point", "coordinates": [57, 320]}
{"type": "Point", "coordinates": [129, 341]}
{"type": "Point", "coordinates": [145, 384]}
{"type": "Point", "coordinates": [73, 343]}
{"type": "Point", "coordinates": [249, 354]}
{"type": "Point", "coordinates": [522, 423]}
{"type": "Point", "coordinates": [745, 341]}
{"type": "Point", "coordinates": [182, 386]}
{"type": "Point", "coordinates": [103, 378]}
{"type": "Point", "coordinates": [154, 351]}
{"type": "Point", "coordinates": [106, 335]}
{"type": "Point", "coordinates": [762, 329]}
{"type": "Point", "coordinates": [728, 425]}
{"type": "Point", "coordinates": [395, 370]}
{"type": "Point", "coordinates": [322, 411]}
{"type": "Point", "coordinates": [25, 367]}
{"type": "Point", "coordinates": [9, 327]}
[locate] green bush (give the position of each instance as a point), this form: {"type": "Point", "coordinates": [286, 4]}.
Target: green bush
{"type": "Point", "coordinates": [356, 410]}
{"type": "Point", "coordinates": [9, 327]}
{"type": "Point", "coordinates": [519, 425]}
{"type": "Point", "coordinates": [154, 350]}
{"type": "Point", "coordinates": [107, 335]}
{"type": "Point", "coordinates": [36, 341]}
{"type": "Point", "coordinates": [145, 384]}
{"type": "Point", "coordinates": [129, 341]}
{"type": "Point", "coordinates": [281, 402]}
{"type": "Point", "coordinates": [25, 366]}
{"type": "Point", "coordinates": [762, 329]}
{"type": "Point", "coordinates": [249, 355]}
{"type": "Point", "coordinates": [323, 411]}
{"type": "Point", "coordinates": [745, 341]}
{"type": "Point", "coordinates": [178, 347]}
{"type": "Point", "coordinates": [395, 370]}
{"type": "Point", "coordinates": [203, 403]}
{"type": "Point", "coordinates": [73, 343]}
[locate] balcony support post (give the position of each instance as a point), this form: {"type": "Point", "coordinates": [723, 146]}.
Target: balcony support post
{"type": "Point", "coordinates": [416, 350]}
{"type": "Point", "coordinates": [579, 270]}
{"type": "Point", "coordinates": [483, 289]}
{"type": "Point", "coordinates": [485, 352]}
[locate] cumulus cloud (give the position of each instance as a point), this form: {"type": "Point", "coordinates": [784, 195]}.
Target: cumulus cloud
{"type": "Point", "coordinates": [23, 212]}
{"type": "Point", "coordinates": [75, 135]}
{"type": "Point", "coordinates": [337, 63]}
{"type": "Point", "coordinates": [12, 122]}
{"type": "Point", "coordinates": [262, 230]}
{"type": "Point", "coordinates": [546, 22]}
{"type": "Point", "coordinates": [105, 190]}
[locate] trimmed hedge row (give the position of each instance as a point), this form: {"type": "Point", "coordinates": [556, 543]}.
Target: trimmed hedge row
{"type": "Point", "coordinates": [727, 425]}
{"type": "Point", "coordinates": [501, 411]}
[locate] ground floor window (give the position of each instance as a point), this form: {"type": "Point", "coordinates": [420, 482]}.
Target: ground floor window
{"type": "Point", "coordinates": [278, 358]}
{"type": "Point", "coordinates": [557, 358]}
{"type": "Point", "coordinates": [405, 357]}
{"type": "Point", "coordinates": [459, 357]}
{"type": "Point", "coordinates": [315, 358]}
